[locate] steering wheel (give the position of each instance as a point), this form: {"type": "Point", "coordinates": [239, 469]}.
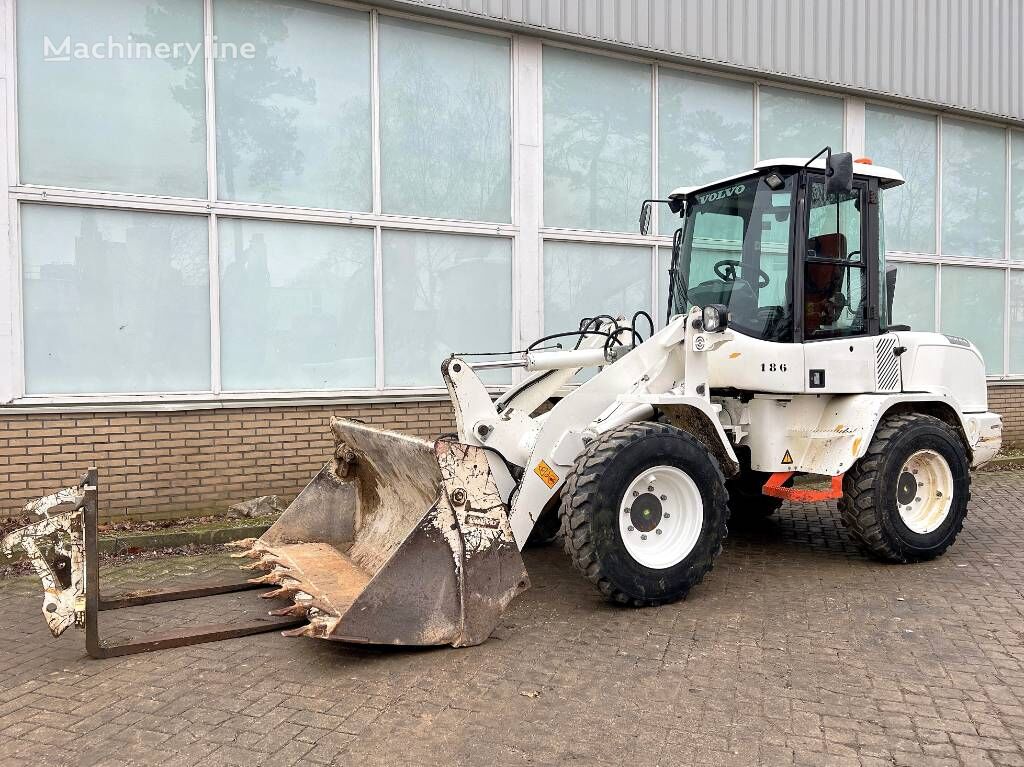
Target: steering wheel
{"type": "Point", "coordinates": [726, 270]}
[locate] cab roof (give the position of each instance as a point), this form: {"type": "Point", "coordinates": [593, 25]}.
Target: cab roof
{"type": "Point", "coordinates": [887, 177]}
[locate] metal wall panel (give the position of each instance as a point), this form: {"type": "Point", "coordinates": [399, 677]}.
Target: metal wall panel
{"type": "Point", "coordinates": [963, 54]}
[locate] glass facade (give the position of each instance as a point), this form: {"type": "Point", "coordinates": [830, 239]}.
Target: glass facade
{"type": "Point", "coordinates": [329, 222]}
{"type": "Point", "coordinates": [597, 140]}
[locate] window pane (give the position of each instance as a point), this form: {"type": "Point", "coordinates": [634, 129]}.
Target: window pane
{"type": "Point", "coordinates": [835, 289]}
{"type": "Point", "coordinates": [973, 189]}
{"type": "Point", "coordinates": [705, 128]}
{"type": "Point", "coordinates": [293, 124]}
{"type": "Point", "coordinates": [1017, 195]}
{"type": "Point", "coordinates": [905, 141]}
{"type": "Point", "coordinates": [795, 124]}
{"type": "Point", "coordinates": [296, 306]}
{"type": "Point", "coordinates": [445, 112]}
{"type": "Point", "coordinates": [597, 140]}
{"type": "Point", "coordinates": [914, 300]}
{"type": "Point", "coordinates": [1016, 310]}
{"type": "Point", "coordinates": [96, 112]}
{"type": "Point", "coordinates": [705, 132]}
{"type": "Point", "coordinates": [584, 280]}
{"type": "Point", "coordinates": [972, 307]}
{"type": "Point", "coordinates": [114, 301]}
{"type": "Point", "coordinates": [443, 293]}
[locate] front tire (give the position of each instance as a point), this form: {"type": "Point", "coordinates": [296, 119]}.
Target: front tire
{"type": "Point", "coordinates": [644, 513]}
{"type": "Point", "coordinates": [906, 499]}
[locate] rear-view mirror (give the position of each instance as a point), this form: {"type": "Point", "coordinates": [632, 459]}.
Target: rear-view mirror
{"type": "Point", "coordinates": [645, 217]}
{"type": "Point", "coordinates": [839, 173]}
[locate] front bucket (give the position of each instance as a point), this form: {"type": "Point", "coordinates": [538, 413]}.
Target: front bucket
{"type": "Point", "coordinates": [395, 541]}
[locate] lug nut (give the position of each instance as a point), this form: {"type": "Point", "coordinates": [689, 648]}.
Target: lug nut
{"type": "Point", "coordinates": [643, 537]}
{"type": "Point", "coordinates": [663, 497]}
{"type": "Point", "coordinates": [658, 531]}
{"type": "Point", "coordinates": [650, 488]}
{"type": "Point", "coordinates": [630, 528]}
{"type": "Point", "coordinates": [667, 515]}
{"type": "Point", "coordinates": [626, 510]}
{"type": "Point", "coordinates": [635, 493]}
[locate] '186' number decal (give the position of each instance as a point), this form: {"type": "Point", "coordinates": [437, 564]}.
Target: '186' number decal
{"type": "Point", "coordinates": [773, 367]}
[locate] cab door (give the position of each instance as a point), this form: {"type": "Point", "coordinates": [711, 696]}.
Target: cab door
{"type": "Point", "coordinates": [837, 307]}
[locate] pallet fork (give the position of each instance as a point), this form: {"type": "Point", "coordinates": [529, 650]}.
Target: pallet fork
{"type": "Point", "coordinates": [71, 579]}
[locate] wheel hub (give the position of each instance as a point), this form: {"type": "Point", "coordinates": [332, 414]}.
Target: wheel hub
{"type": "Point", "coordinates": [924, 491]}
{"type": "Point", "coordinates": [645, 512]}
{"type": "Point", "coordinates": [906, 490]}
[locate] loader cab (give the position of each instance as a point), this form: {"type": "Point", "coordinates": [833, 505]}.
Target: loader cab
{"type": "Point", "coordinates": [794, 258]}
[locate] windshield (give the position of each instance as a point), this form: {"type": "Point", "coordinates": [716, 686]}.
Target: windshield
{"type": "Point", "coordinates": [733, 249]}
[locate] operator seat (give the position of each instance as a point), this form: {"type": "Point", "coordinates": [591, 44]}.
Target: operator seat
{"type": "Point", "coordinates": [823, 297]}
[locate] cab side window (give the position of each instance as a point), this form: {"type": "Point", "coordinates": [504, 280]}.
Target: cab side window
{"type": "Point", "coordinates": [835, 281]}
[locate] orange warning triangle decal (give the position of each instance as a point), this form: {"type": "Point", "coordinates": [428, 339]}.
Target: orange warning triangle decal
{"type": "Point", "coordinates": [787, 459]}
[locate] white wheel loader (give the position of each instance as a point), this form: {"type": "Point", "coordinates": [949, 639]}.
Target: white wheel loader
{"type": "Point", "coordinates": [777, 360]}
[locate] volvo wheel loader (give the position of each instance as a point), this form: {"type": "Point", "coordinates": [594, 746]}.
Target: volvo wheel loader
{"type": "Point", "coordinates": [777, 359]}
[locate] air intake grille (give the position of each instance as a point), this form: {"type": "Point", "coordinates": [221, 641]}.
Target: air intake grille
{"type": "Point", "coordinates": [887, 369]}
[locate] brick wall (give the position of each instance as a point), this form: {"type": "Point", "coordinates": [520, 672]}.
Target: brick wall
{"type": "Point", "coordinates": [159, 465]}
{"type": "Point", "coordinates": [1008, 401]}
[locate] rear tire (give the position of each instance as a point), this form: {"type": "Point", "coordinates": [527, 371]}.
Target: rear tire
{"type": "Point", "coordinates": [611, 518]}
{"type": "Point", "coordinates": [906, 499]}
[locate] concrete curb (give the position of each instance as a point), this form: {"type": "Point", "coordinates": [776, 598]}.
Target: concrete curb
{"type": "Point", "coordinates": [120, 544]}
{"type": "Point", "coordinates": [1006, 460]}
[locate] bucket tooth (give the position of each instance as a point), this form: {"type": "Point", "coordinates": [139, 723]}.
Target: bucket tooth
{"type": "Point", "coordinates": [320, 627]}
{"type": "Point", "coordinates": [294, 609]}
{"type": "Point", "coordinates": [275, 577]}
{"type": "Point", "coordinates": [267, 563]}
{"type": "Point", "coordinates": [286, 590]}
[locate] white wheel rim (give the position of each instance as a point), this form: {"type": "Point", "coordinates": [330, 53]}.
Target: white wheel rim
{"type": "Point", "coordinates": [924, 491]}
{"type": "Point", "coordinates": [661, 515]}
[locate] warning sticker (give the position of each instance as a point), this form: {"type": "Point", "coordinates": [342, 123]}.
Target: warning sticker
{"type": "Point", "coordinates": [787, 459]}
{"type": "Point", "coordinates": [544, 471]}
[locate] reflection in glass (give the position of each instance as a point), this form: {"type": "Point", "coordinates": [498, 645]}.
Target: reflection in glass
{"type": "Point", "coordinates": [116, 121]}
{"type": "Point", "coordinates": [597, 140]}
{"type": "Point", "coordinates": [972, 307]}
{"type": "Point", "coordinates": [973, 189]}
{"type": "Point", "coordinates": [914, 301]}
{"type": "Point", "coordinates": [293, 124]}
{"type": "Point", "coordinates": [584, 280]}
{"type": "Point", "coordinates": [905, 142]}
{"type": "Point", "coordinates": [296, 306]}
{"type": "Point", "coordinates": [1017, 194]}
{"type": "Point", "coordinates": [705, 132]}
{"type": "Point", "coordinates": [796, 124]}
{"type": "Point", "coordinates": [443, 293]}
{"type": "Point", "coordinates": [445, 122]}
{"type": "Point", "coordinates": [114, 301]}
{"type": "Point", "coordinates": [1016, 310]}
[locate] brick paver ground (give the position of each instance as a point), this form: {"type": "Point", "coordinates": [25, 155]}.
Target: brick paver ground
{"type": "Point", "coordinates": [796, 650]}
